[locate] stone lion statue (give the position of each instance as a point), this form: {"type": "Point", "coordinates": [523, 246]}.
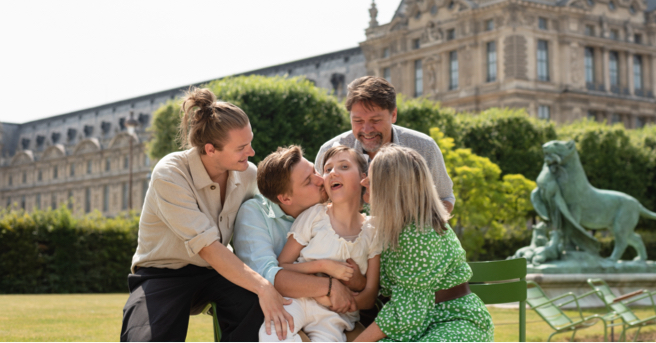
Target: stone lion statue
{"type": "Point", "coordinates": [567, 192]}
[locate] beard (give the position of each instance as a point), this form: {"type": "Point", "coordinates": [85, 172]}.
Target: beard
{"type": "Point", "coordinates": [371, 146]}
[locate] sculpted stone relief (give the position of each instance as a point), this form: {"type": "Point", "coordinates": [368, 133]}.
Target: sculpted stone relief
{"type": "Point", "coordinates": [576, 71]}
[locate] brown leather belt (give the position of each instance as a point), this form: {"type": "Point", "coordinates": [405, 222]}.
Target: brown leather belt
{"type": "Point", "coordinates": [452, 293]}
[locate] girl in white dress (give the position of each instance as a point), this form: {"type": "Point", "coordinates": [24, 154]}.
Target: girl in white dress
{"type": "Point", "coordinates": [337, 241]}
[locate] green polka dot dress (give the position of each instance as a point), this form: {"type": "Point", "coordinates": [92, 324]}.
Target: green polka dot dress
{"type": "Point", "coordinates": [423, 264]}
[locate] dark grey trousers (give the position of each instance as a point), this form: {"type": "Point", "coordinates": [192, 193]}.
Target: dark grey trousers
{"type": "Point", "coordinates": [161, 300]}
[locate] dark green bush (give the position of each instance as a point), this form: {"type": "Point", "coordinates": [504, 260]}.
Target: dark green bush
{"type": "Point", "coordinates": [52, 252]}
{"type": "Point", "coordinates": [421, 115]}
{"type": "Point", "coordinates": [509, 138]}
{"type": "Point", "coordinates": [282, 111]}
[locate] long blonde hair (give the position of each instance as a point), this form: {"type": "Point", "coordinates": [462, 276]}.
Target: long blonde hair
{"type": "Point", "coordinates": [206, 120]}
{"type": "Point", "coordinates": [402, 192]}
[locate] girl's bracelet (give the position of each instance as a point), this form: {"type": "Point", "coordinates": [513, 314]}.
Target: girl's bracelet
{"type": "Point", "coordinates": [330, 285]}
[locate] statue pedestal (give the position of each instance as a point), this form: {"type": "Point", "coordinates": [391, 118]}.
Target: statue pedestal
{"type": "Point", "coordinates": [573, 262]}
{"type": "Point", "coordinates": [620, 283]}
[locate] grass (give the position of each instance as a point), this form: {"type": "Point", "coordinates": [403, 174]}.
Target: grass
{"type": "Point", "coordinates": [97, 317]}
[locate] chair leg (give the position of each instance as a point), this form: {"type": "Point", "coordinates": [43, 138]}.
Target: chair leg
{"type": "Point", "coordinates": [637, 333]}
{"type": "Point", "coordinates": [549, 339]}
{"type": "Point", "coordinates": [572, 338]}
{"type": "Point", "coordinates": [215, 320]}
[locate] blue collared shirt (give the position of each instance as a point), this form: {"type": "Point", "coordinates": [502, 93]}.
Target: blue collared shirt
{"type": "Point", "coordinates": [260, 234]}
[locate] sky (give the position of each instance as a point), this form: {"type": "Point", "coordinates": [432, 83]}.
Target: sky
{"type": "Point", "coordinates": [63, 56]}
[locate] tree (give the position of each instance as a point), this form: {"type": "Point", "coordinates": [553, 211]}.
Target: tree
{"type": "Point", "coordinates": [420, 114]}
{"type": "Point", "coordinates": [508, 137]}
{"type": "Point", "coordinates": [488, 206]}
{"type": "Point", "coordinates": [282, 111]}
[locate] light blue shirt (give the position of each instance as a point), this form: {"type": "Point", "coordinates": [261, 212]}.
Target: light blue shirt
{"type": "Point", "coordinates": [260, 234]}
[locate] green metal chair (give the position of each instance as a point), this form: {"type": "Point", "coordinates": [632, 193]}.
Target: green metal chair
{"type": "Point", "coordinates": [618, 306]}
{"type": "Point", "coordinates": [548, 310]}
{"type": "Point", "coordinates": [497, 282]}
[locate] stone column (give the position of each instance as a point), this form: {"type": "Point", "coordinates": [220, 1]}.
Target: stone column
{"type": "Point", "coordinates": [605, 74]}
{"type": "Point", "coordinates": [629, 63]}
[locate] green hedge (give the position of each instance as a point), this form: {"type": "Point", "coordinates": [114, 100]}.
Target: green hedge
{"type": "Point", "coordinates": [53, 252]}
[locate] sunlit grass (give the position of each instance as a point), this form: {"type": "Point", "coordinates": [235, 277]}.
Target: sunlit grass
{"type": "Point", "coordinates": [97, 317]}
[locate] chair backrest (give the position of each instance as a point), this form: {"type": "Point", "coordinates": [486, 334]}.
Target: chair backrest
{"type": "Point", "coordinates": [498, 282]}
{"type": "Point", "coordinates": [606, 295]}
{"type": "Point", "coordinates": [508, 277]}
{"type": "Point", "coordinates": [552, 314]}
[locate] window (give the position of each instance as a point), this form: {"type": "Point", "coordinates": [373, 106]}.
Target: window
{"type": "Point", "coordinates": [55, 172]}
{"type": "Point", "coordinates": [24, 177]}
{"type": "Point", "coordinates": [637, 38]}
{"type": "Point", "coordinates": [147, 158]}
{"type": "Point", "coordinates": [23, 202]}
{"type": "Point", "coordinates": [639, 122]}
{"type": "Point", "coordinates": [387, 74]}
{"type": "Point", "coordinates": [89, 165]}
{"type": "Point", "coordinates": [106, 198]}
{"type": "Point", "coordinates": [489, 25]}
{"type": "Point", "coordinates": [615, 118]}
{"type": "Point", "coordinates": [38, 201]}
{"type": "Point", "coordinates": [8, 201]}
{"type": "Point", "coordinates": [419, 79]}
{"type": "Point", "coordinates": [491, 61]}
{"type": "Point", "coordinates": [592, 115]}
{"type": "Point", "coordinates": [632, 9]}
{"type": "Point", "coordinates": [11, 180]}
{"type": "Point", "coordinates": [72, 169]}
{"type": "Point", "coordinates": [614, 34]}
{"type": "Point", "coordinates": [612, 69]}
{"type": "Point", "coordinates": [589, 66]}
{"type": "Point", "coordinates": [39, 175]}
{"type": "Point", "coordinates": [453, 70]}
{"type": "Point", "coordinates": [124, 203]}
{"type": "Point", "coordinates": [416, 43]}
{"type": "Point", "coordinates": [53, 201]}
{"type": "Point", "coordinates": [450, 34]}
{"type": "Point", "coordinates": [611, 5]}
{"type": "Point", "coordinates": [637, 72]}
{"type": "Point", "coordinates": [452, 4]}
{"type": "Point", "coordinates": [418, 15]}
{"type": "Point", "coordinates": [70, 200]}
{"type": "Point", "coordinates": [386, 53]}
{"type": "Point", "coordinates": [589, 30]}
{"type": "Point", "coordinates": [542, 23]}
{"type": "Point", "coordinates": [434, 10]}
{"type": "Point", "coordinates": [126, 162]}
{"type": "Point", "coordinates": [544, 112]}
{"type": "Point", "coordinates": [108, 164]}
{"type": "Point", "coordinates": [543, 60]}
{"type": "Point", "coordinates": [87, 200]}
{"type": "Point", "coordinates": [590, 2]}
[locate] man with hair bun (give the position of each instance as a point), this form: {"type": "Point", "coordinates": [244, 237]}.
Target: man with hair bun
{"type": "Point", "coordinates": [371, 102]}
{"type": "Point", "coordinates": [182, 261]}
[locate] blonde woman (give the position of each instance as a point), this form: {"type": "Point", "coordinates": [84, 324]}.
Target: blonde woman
{"type": "Point", "coordinates": [182, 262]}
{"type": "Point", "coordinates": [423, 268]}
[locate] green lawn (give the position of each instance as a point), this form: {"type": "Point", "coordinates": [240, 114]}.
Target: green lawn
{"type": "Point", "coordinates": [97, 317]}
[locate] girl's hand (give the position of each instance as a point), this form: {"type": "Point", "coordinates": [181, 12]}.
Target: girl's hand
{"type": "Point", "coordinates": [272, 303]}
{"type": "Point", "coordinates": [359, 281]}
{"type": "Point", "coordinates": [339, 270]}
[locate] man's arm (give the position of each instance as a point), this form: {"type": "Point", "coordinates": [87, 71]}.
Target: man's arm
{"type": "Point", "coordinates": [443, 183]}
{"type": "Point", "coordinates": [253, 242]}
{"type": "Point", "coordinates": [296, 285]}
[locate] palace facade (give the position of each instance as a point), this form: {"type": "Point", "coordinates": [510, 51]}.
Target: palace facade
{"type": "Point", "coordinates": [559, 59]}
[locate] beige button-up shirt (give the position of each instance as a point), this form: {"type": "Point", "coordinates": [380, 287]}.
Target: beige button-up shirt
{"type": "Point", "coordinates": [182, 212]}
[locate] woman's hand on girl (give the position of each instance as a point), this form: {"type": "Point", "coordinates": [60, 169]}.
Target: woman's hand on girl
{"type": "Point", "coordinates": [272, 303]}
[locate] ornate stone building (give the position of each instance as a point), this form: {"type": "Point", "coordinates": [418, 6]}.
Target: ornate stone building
{"type": "Point", "coordinates": [559, 59]}
{"type": "Point", "coordinates": [83, 156]}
